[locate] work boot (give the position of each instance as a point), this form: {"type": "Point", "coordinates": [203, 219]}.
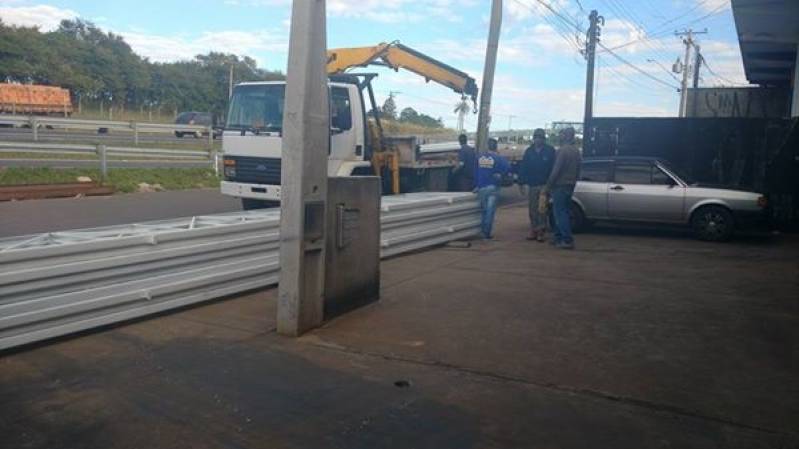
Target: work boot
{"type": "Point", "coordinates": [564, 245]}
{"type": "Point", "coordinates": [533, 235]}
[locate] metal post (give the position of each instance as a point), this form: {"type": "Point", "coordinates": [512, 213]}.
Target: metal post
{"type": "Point", "coordinates": [214, 157]}
{"type": "Point", "coordinates": [101, 151]}
{"type": "Point", "coordinates": [684, 85]}
{"type": "Point", "coordinates": [697, 66]}
{"type": "Point", "coordinates": [35, 129]}
{"type": "Point", "coordinates": [230, 82]}
{"type": "Point", "coordinates": [484, 117]}
{"type": "Point", "coordinates": [592, 38]}
{"type": "Point", "coordinates": [306, 140]}
{"type": "Point", "coordinates": [135, 133]}
{"type": "Point", "coordinates": [210, 136]}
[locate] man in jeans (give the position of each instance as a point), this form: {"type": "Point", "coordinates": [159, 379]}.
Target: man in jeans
{"type": "Point", "coordinates": [534, 172]}
{"type": "Point", "coordinates": [560, 186]}
{"type": "Point", "coordinates": [491, 167]}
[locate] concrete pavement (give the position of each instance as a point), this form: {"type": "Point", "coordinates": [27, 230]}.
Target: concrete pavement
{"type": "Point", "coordinates": [643, 339]}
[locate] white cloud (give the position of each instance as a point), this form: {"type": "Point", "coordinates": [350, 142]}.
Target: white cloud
{"type": "Point", "coordinates": [713, 5]}
{"type": "Point", "coordinates": [46, 17]}
{"type": "Point", "coordinates": [161, 48]}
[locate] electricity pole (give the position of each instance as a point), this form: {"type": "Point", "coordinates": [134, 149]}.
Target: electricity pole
{"type": "Point", "coordinates": [303, 198]}
{"type": "Point", "coordinates": [592, 38]}
{"type": "Point", "coordinates": [688, 40]}
{"type": "Point", "coordinates": [510, 121]}
{"type": "Point", "coordinates": [230, 83]}
{"type": "Point", "coordinates": [484, 116]}
{"type": "Point", "coordinates": [697, 66]}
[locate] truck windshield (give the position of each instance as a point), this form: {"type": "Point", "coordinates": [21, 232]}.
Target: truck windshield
{"type": "Point", "coordinates": [257, 107]}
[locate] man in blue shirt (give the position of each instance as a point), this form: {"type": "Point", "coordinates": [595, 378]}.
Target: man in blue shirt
{"type": "Point", "coordinates": [491, 168]}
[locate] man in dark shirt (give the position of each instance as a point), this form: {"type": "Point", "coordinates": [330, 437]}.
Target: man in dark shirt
{"type": "Point", "coordinates": [467, 166]}
{"type": "Point", "coordinates": [560, 186]}
{"type": "Point", "coordinates": [534, 172]}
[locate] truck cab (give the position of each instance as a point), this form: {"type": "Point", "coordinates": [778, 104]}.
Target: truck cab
{"type": "Point", "coordinates": [252, 139]}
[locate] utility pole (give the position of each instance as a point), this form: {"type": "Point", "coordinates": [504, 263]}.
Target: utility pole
{"type": "Point", "coordinates": [230, 82]}
{"type": "Point", "coordinates": [303, 198]}
{"type": "Point", "coordinates": [697, 66]}
{"type": "Point", "coordinates": [591, 40]}
{"type": "Point", "coordinates": [688, 40]}
{"type": "Point", "coordinates": [484, 116]}
{"type": "Point", "coordinates": [510, 121]}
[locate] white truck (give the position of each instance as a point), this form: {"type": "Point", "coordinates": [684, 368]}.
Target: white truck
{"type": "Point", "coordinates": [252, 137]}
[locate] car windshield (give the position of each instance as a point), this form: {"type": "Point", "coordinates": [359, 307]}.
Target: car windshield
{"type": "Point", "coordinates": [184, 117]}
{"type": "Point", "coordinates": [685, 177]}
{"type": "Point", "coordinates": [257, 107]}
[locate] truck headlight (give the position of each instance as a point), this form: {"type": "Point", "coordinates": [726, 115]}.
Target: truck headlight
{"type": "Point", "coordinates": [230, 168]}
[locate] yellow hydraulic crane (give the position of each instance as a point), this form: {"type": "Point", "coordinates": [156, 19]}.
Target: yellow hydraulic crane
{"type": "Point", "coordinates": [397, 56]}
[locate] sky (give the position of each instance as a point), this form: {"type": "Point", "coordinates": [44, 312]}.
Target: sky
{"type": "Point", "coordinates": [540, 74]}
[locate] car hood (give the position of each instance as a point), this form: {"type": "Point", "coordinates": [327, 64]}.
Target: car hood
{"type": "Point", "coordinates": [721, 190]}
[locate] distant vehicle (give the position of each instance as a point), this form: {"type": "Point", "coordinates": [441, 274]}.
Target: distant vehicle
{"type": "Point", "coordinates": [197, 118]}
{"type": "Point", "coordinates": [33, 99]}
{"type": "Point", "coordinates": [638, 189]}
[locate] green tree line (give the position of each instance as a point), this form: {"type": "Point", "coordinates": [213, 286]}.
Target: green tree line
{"type": "Point", "coordinates": [99, 67]}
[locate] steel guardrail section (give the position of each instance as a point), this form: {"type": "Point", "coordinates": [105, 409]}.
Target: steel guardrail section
{"type": "Point", "coordinates": [96, 124]}
{"type": "Point", "coordinates": [50, 148]}
{"type": "Point", "coordinates": [57, 283]}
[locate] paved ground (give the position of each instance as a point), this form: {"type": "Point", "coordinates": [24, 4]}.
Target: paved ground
{"type": "Point", "coordinates": [34, 216]}
{"type": "Point", "coordinates": [635, 340]}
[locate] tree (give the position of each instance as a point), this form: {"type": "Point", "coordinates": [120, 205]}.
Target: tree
{"type": "Point", "coordinates": [389, 110]}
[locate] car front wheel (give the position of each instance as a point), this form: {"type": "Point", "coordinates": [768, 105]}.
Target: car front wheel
{"type": "Point", "coordinates": [578, 221]}
{"type": "Point", "coordinates": [713, 224]}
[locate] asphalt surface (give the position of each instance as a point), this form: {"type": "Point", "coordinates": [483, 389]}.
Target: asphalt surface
{"type": "Point", "coordinates": [634, 340]}
{"type": "Point", "coordinates": [36, 216]}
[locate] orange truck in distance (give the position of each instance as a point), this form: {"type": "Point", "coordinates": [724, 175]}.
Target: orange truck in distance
{"type": "Point", "coordinates": [33, 99]}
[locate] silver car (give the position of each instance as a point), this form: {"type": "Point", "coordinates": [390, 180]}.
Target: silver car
{"type": "Point", "coordinates": [637, 189]}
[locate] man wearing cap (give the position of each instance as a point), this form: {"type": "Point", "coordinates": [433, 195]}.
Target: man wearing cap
{"type": "Point", "coordinates": [560, 186]}
{"type": "Point", "coordinates": [534, 172]}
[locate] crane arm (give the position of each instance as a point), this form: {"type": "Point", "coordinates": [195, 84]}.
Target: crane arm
{"type": "Point", "coordinates": [397, 56]}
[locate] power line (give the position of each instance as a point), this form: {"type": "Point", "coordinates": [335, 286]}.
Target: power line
{"type": "Point", "coordinates": [637, 69]}
{"type": "Point", "coordinates": [709, 69]}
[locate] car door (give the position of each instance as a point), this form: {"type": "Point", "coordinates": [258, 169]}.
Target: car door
{"type": "Point", "coordinates": [591, 192]}
{"type": "Point", "coordinates": [641, 191]}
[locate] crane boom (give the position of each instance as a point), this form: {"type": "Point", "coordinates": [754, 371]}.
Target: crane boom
{"type": "Point", "coordinates": [397, 56]}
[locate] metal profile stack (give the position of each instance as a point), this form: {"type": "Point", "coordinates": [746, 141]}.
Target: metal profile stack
{"type": "Point", "coordinates": [59, 283]}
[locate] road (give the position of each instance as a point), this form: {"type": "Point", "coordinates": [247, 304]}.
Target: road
{"type": "Point", "coordinates": [94, 163]}
{"type": "Point", "coordinates": [35, 216]}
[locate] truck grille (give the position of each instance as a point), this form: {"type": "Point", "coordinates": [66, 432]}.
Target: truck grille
{"type": "Point", "coordinates": [256, 170]}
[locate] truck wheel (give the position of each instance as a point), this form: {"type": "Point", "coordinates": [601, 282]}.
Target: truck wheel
{"type": "Point", "coordinates": [713, 223]}
{"type": "Point", "coordinates": [179, 135]}
{"type": "Point", "coordinates": [251, 204]}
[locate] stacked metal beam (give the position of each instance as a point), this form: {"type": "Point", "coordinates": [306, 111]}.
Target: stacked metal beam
{"type": "Point", "coordinates": [58, 283]}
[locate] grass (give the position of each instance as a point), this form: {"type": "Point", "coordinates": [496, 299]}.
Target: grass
{"type": "Point", "coordinates": [124, 180]}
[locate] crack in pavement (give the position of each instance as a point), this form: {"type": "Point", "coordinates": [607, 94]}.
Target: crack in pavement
{"type": "Point", "coordinates": [595, 394]}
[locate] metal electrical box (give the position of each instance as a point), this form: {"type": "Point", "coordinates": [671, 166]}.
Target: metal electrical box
{"type": "Point", "coordinates": [352, 259]}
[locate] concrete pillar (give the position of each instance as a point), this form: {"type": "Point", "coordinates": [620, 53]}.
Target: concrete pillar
{"type": "Point", "coordinates": [795, 98]}
{"type": "Point", "coordinates": [306, 140]}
